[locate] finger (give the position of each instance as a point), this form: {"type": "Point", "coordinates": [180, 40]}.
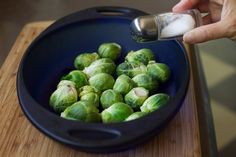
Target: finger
{"type": "Point", "coordinates": [184, 5]}
{"type": "Point", "coordinates": [205, 33]}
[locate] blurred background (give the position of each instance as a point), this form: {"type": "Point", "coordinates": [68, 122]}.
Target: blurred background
{"type": "Point", "coordinates": [218, 56]}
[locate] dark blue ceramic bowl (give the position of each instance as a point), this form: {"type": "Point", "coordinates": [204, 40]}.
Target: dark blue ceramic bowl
{"type": "Point", "coordinates": [52, 54]}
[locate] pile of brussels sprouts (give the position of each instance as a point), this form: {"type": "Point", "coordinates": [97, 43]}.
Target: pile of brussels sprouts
{"type": "Point", "coordinates": [92, 94]}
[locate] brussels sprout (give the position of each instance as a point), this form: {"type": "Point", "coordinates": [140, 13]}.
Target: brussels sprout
{"type": "Point", "coordinates": [85, 59]}
{"type": "Point", "coordinates": [110, 97]}
{"type": "Point", "coordinates": [158, 71]}
{"type": "Point", "coordinates": [136, 97]}
{"type": "Point", "coordinates": [123, 84]}
{"type": "Point", "coordinates": [92, 97]}
{"type": "Point", "coordinates": [102, 81]}
{"type": "Point", "coordinates": [145, 81]}
{"type": "Point", "coordinates": [135, 115]}
{"type": "Point", "coordinates": [78, 77]}
{"type": "Point", "coordinates": [104, 65]}
{"type": "Point", "coordinates": [66, 83]}
{"type": "Point", "coordinates": [109, 50]}
{"type": "Point", "coordinates": [87, 89]}
{"type": "Point", "coordinates": [131, 69]}
{"type": "Point", "coordinates": [154, 102]}
{"type": "Point", "coordinates": [117, 112]}
{"type": "Point", "coordinates": [142, 55]}
{"type": "Point", "coordinates": [63, 97]}
{"type": "Point", "coordinates": [82, 111]}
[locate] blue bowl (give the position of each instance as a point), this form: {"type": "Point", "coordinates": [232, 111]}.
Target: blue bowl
{"type": "Point", "coordinates": [51, 55]}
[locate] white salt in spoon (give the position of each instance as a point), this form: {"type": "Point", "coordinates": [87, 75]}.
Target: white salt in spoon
{"type": "Point", "coordinates": [179, 26]}
{"type": "Point", "coordinates": [164, 26]}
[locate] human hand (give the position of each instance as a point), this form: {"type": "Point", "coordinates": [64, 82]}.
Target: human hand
{"type": "Point", "coordinates": [220, 21]}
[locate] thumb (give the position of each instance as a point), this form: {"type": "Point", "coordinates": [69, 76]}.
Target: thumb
{"type": "Point", "coordinates": [205, 33]}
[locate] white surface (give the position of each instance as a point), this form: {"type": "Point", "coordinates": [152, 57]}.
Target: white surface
{"type": "Point", "coordinates": [180, 25]}
{"type": "Point", "coordinates": [140, 92]}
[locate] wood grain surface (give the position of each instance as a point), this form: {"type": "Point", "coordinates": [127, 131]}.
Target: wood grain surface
{"type": "Point", "coordinates": [18, 137]}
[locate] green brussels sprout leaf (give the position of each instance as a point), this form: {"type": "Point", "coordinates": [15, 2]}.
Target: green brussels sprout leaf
{"type": "Point", "coordinates": [92, 97]}
{"type": "Point", "coordinates": [131, 69]}
{"type": "Point", "coordinates": [143, 55]}
{"type": "Point", "coordinates": [84, 60]}
{"type": "Point", "coordinates": [117, 112]}
{"type": "Point", "coordinates": [136, 97]}
{"type": "Point", "coordinates": [63, 97]}
{"type": "Point", "coordinates": [135, 115]}
{"type": "Point", "coordinates": [87, 89]}
{"type": "Point", "coordinates": [102, 81]}
{"type": "Point", "coordinates": [82, 111]}
{"type": "Point", "coordinates": [109, 50]}
{"type": "Point", "coordinates": [110, 97]}
{"type": "Point", "coordinates": [123, 84]}
{"type": "Point", "coordinates": [159, 71]}
{"type": "Point", "coordinates": [103, 65]}
{"type": "Point", "coordinates": [78, 77]}
{"type": "Point", "coordinates": [154, 102]}
{"type": "Point", "coordinates": [66, 83]}
{"type": "Point", "coordinates": [146, 81]}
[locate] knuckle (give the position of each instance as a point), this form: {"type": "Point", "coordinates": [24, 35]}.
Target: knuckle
{"type": "Point", "coordinates": [231, 29]}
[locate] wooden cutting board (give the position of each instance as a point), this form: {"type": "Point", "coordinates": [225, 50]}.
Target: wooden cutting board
{"type": "Point", "coordinates": [18, 137]}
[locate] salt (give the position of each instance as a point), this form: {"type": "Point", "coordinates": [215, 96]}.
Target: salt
{"type": "Point", "coordinates": [165, 26]}
{"type": "Point", "coordinates": [177, 25]}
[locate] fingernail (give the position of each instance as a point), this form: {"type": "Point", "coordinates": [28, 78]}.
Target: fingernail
{"type": "Point", "coordinates": [175, 8]}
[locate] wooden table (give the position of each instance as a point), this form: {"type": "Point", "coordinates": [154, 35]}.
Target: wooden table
{"type": "Point", "coordinates": [187, 135]}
